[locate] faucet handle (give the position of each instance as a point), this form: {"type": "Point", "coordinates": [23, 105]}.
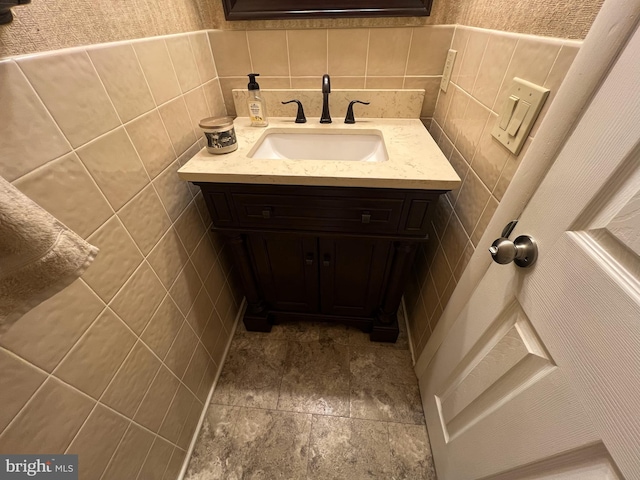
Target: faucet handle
{"type": "Point", "coordinates": [300, 118]}
{"type": "Point", "coordinates": [349, 117]}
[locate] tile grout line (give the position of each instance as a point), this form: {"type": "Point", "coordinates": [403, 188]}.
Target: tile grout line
{"type": "Point", "coordinates": [173, 67]}
{"type": "Point", "coordinates": [406, 64]}
{"type": "Point", "coordinates": [327, 48]}
{"type": "Point", "coordinates": [314, 414]}
{"type": "Point", "coordinates": [246, 35]}
{"type": "Point", "coordinates": [309, 447]}
{"type": "Point", "coordinates": [366, 63]}
{"type": "Point", "coordinates": [504, 76]}
{"type": "Point", "coordinates": [388, 445]}
{"type": "Point", "coordinates": [114, 452]}
{"type": "Point", "coordinates": [147, 457]}
{"type": "Point", "coordinates": [49, 114]}
{"type": "Point", "coordinates": [213, 59]}
{"type": "Point", "coordinates": [193, 54]}
{"type": "Point", "coordinates": [157, 108]}
{"type": "Point", "coordinates": [555, 60]}
{"type": "Point", "coordinates": [475, 80]}
{"type": "Point", "coordinates": [104, 88]}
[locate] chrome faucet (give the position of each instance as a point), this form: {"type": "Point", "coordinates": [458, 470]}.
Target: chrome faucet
{"type": "Point", "coordinates": [326, 90]}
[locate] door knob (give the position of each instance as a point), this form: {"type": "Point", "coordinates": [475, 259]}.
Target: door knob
{"type": "Point", "coordinates": [523, 251]}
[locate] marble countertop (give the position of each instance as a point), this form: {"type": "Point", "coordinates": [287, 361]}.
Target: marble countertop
{"type": "Point", "coordinates": [415, 161]}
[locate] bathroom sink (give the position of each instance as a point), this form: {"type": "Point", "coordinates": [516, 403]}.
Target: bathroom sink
{"type": "Point", "coordinates": [295, 144]}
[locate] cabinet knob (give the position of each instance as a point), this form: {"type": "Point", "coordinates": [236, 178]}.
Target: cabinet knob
{"type": "Point", "coordinates": [366, 217]}
{"type": "Point", "coordinates": [309, 259]}
{"type": "Point", "coordinates": [326, 262]}
{"type": "Point", "coordinates": [266, 213]}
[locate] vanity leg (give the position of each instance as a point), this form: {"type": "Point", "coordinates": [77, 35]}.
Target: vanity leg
{"type": "Point", "coordinates": [256, 316]}
{"type": "Point", "coordinates": [385, 325]}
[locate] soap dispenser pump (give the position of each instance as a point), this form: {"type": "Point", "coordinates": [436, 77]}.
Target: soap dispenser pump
{"type": "Point", "coordinates": [257, 107]}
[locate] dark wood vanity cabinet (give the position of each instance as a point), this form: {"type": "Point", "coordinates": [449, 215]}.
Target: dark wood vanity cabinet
{"type": "Point", "coordinates": [325, 275]}
{"type": "Point", "coordinates": [340, 254]}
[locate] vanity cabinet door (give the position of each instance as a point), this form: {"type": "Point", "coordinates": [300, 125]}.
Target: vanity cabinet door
{"type": "Point", "coordinates": [286, 269]}
{"type": "Point", "coordinates": [352, 274]}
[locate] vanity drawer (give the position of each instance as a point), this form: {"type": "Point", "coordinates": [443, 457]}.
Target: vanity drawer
{"type": "Point", "coordinates": [331, 213]}
{"type": "Point", "coordinates": [333, 209]}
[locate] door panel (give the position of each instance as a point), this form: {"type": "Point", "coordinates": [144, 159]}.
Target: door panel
{"type": "Point", "coordinates": [352, 272]}
{"type": "Point", "coordinates": [287, 270]}
{"type": "Point", "coordinates": [507, 359]}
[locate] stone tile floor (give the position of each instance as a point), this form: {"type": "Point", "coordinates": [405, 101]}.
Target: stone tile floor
{"type": "Point", "coordinates": [314, 401]}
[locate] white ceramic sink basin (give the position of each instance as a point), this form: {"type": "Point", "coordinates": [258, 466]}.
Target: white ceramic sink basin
{"type": "Point", "coordinates": [303, 144]}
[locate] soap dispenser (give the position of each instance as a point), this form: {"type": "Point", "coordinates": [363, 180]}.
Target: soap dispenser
{"type": "Point", "coordinates": [257, 107]}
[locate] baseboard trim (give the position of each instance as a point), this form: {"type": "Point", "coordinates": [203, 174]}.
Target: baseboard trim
{"type": "Point", "coordinates": [406, 325]}
{"type": "Point", "coordinates": [192, 445]}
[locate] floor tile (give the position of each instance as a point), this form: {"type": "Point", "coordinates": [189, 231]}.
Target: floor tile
{"type": "Point", "coordinates": [316, 378]}
{"type": "Point", "coordinates": [345, 448]}
{"type": "Point", "coordinates": [390, 402]}
{"type": "Point", "coordinates": [317, 358]}
{"type": "Point", "coordinates": [239, 443]}
{"type": "Point", "coordinates": [322, 395]}
{"type": "Point", "coordinates": [384, 365]}
{"type": "Point", "coordinates": [337, 333]}
{"type": "Point", "coordinates": [410, 452]}
{"type": "Point", "coordinates": [252, 373]}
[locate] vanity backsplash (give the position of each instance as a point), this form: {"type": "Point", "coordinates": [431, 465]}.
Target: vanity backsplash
{"type": "Point", "coordinates": [383, 103]}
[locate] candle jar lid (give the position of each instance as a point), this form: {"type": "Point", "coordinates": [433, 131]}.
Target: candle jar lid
{"type": "Point", "coordinates": [216, 122]}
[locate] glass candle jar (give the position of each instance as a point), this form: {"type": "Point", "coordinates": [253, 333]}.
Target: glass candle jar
{"type": "Point", "coordinates": [220, 134]}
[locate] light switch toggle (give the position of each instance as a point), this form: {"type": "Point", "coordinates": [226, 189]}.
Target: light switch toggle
{"type": "Point", "coordinates": [507, 111]}
{"type": "Point", "coordinates": [518, 117]}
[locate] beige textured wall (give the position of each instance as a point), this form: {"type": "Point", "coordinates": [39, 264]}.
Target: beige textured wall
{"type": "Point", "coordinates": [564, 19]}
{"type": "Point", "coordinates": [117, 366]}
{"type": "Point", "coordinates": [48, 25]}
{"type": "Point", "coordinates": [54, 24]}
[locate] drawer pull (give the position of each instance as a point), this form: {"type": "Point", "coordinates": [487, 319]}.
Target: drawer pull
{"type": "Point", "coordinates": [309, 259]}
{"type": "Point", "coordinates": [266, 213]}
{"type": "Point", "coordinates": [366, 217]}
{"type": "Point", "coordinates": [327, 260]}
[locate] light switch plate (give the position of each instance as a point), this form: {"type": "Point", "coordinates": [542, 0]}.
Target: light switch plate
{"type": "Point", "coordinates": [448, 67]}
{"type": "Point", "coordinates": [526, 92]}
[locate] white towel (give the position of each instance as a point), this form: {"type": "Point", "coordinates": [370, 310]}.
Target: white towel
{"type": "Point", "coordinates": [39, 256]}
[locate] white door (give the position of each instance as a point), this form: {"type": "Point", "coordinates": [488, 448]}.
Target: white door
{"type": "Point", "coordinates": [540, 375]}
